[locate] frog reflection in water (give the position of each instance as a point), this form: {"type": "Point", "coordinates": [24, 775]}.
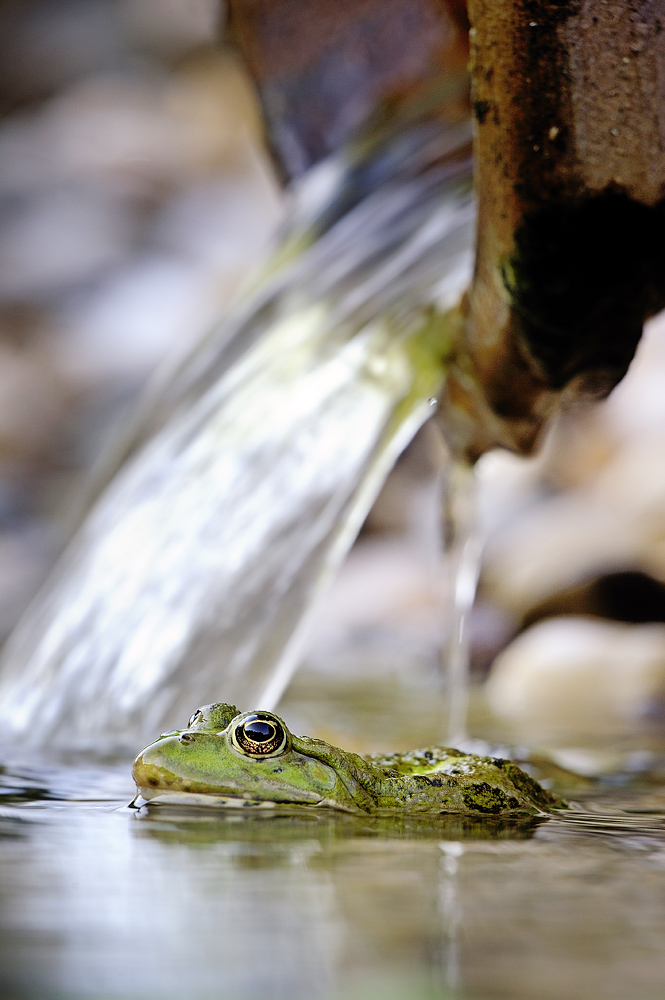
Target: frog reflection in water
{"type": "Point", "coordinates": [226, 758]}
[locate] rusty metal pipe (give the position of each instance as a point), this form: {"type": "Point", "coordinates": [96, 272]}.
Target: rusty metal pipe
{"type": "Point", "coordinates": [569, 103]}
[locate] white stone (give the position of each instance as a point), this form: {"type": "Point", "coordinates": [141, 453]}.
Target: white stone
{"type": "Point", "coordinates": [579, 673]}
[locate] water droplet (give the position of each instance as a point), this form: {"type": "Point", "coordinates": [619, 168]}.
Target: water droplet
{"type": "Point", "coordinates": [432, 401]}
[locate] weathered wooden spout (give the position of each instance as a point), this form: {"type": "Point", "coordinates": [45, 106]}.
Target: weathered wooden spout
{"type": "Point", "coordinates": [569, 103]}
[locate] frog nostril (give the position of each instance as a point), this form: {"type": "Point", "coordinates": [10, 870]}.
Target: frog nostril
{"type": "Point", "coordinates": [187, 738]}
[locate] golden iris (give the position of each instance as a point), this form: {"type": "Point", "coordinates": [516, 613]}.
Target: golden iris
{"type": "Point", "coordinates": [259, 734]}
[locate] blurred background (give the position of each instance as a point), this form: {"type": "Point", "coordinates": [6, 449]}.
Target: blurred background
{"type": "Point", "coordinates": [136, 200]}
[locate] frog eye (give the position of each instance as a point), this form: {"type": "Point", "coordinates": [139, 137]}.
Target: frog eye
{"type": "Point", "coordinates": [259, 734]}
{"type": "Point", "coordinates": [198, 715]}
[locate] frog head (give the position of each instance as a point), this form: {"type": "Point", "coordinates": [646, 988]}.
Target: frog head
{"type": "Point", "coordinates": [247, 759]}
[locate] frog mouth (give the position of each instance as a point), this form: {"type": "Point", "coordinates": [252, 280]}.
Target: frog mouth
{"type": "Point", "coordinates": [158, 784]}
{"type": "Point", "coordinates": [176, 797]}
{"type": "Point", "coordinates": [168, 796]}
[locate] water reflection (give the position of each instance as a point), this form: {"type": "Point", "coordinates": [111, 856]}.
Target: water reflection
{"type": "Point", "coordinates": [101, 901]}
{"type": "Point", "coordinates": [451, 913]}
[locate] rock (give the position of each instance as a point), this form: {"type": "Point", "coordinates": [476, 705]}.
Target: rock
{"type": "Point", "coordinates": [580, 674]}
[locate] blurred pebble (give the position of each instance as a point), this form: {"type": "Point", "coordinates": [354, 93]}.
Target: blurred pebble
{"type": "Point", "coordinates": [25, 558]}
{"type": "Point", "coordinates": [171, 27]}
{"type": "Point", "coordinates": [141, 133]}
{"type": "Point", "coordinates": [580, 674]}
{"type": "Point", "coordinates": [555, 544]}
{"type": "Point", "coordinates": [224, 222]}
{"type": "Point", "coordinates": [64, 237]}
{"type": "Point", "coordinates": [33, 404]}
{"type": "Point", "coordinates": [133, 320]}
{"type": "Point", "coordinates": [52, 43]}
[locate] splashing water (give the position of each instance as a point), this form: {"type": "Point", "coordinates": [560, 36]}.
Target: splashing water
{"type": "Point", "coordinates": [191, 578]}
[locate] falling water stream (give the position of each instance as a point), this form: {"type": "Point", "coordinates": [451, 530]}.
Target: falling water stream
{"type": "Point", "coordinates": [192, 578]}
{"type": "Point", "coordinates": [462, 550]}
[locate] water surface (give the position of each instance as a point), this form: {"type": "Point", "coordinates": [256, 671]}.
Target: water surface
{"type": "Point", "coordinates": [101, 901]}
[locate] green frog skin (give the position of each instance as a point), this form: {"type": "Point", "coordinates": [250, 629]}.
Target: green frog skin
{"type": "Point", "coordinates": [225, 758]}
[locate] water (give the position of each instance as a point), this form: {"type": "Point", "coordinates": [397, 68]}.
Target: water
{"type": "Point", "coordinates": [251, 470]}
{"type": "Point", "coordinates": [461, 554]}
{"type": "Point", "coordinates": [98, 902]}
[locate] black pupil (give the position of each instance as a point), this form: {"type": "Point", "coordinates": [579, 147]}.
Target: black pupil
{"type": "Point", "coordinates": [259, 732]}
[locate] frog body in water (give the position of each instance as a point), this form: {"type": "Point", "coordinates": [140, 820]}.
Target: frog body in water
{"type": "Point", "coordinates": [227, 758]}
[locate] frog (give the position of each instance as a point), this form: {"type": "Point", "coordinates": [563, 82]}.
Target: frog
{"type": "Point", "coordinates": [250, 760]}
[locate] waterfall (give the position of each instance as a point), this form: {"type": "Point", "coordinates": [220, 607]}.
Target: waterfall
{"type": "Point", "coordinates": [246, 480]}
